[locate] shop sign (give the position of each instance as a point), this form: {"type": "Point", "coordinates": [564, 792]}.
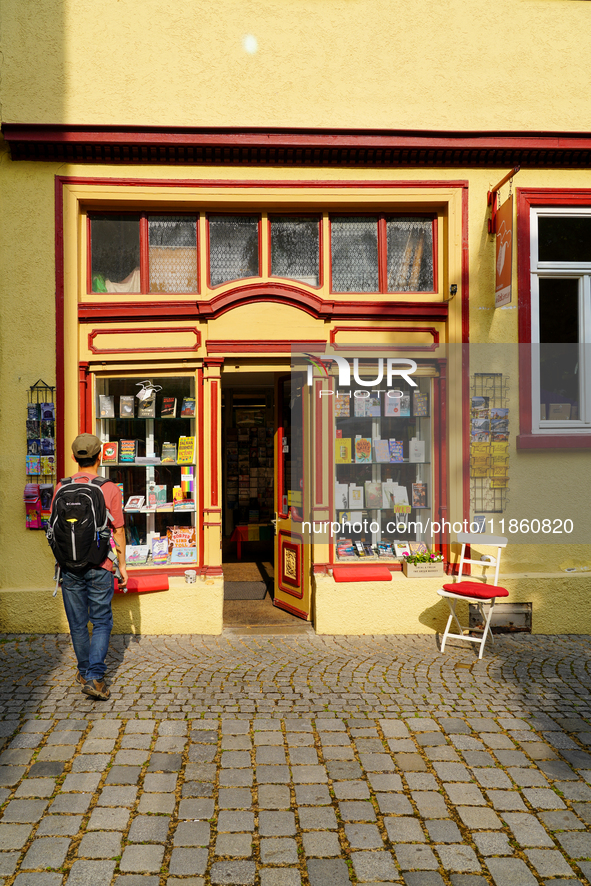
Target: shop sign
{"type": "Point", "coordinates": [504, 253]}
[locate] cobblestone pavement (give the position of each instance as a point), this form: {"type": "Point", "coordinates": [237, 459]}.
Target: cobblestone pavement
{"type": "Point", "coordinates": [280, 761]}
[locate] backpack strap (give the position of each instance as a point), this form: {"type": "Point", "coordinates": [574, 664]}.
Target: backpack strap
{"type": "Point", "coordinates": [65, 481]}
{"type": "Point", "coordinates": [100, 481]}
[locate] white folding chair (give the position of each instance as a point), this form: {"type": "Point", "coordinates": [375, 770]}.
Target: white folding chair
{"type": "Point", "coordinates": [471, 591]}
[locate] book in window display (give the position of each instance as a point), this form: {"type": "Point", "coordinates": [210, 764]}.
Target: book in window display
{"type": "Point", "coordinates": [355, 496]}
{"type": "Point", "coordinates": [110, 454]}
{"type": "Point", "coordinates": [188, 407]}
{"type": "Point", "coordinates": [186, 451]}
{"type": "Point", "coordinates": [168, 455]}
{"type": "Point", "coordinates": [396, 451]}
{"type": "Point", "coordinates": [134, 503]}
{"type": "Point", "coordinates": [373, 494]}
{"type": "Point", "coordinates": [381, 450]}
{"type": "Point", "coordinates": [343, 450]}
{"type": "Point", "coordinates": [362, 450]}
{"type": "Point", "coordinates": [127, 450]}
{"type": "Point", "coordinates": [127, 406]}
{"type": "Point", "coordinates": [137, 555]}
{"type": "Point", "coordinates": [168, 409]}
{"type": "Point", "coordinates": [420, 404]}
{"type": "Point", "coordinates": [342, 406]}
{"type": "Point", "coordinates": [160, 551]}
{"type": "Point", "coordinates": [147, 408]}
{"type": "Point", "coordinates": [419, 495]}
{"type": "Point", "coordinates": [106, 406]}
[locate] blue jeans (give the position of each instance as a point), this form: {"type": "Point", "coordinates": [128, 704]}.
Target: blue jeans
{"type": "Point", "coordinates": [87, 597]}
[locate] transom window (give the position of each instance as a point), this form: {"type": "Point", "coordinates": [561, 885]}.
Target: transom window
{"type": "Point", "coordinates": [561, 319]}
{"type": "Point", "coordinates": [143, 252]}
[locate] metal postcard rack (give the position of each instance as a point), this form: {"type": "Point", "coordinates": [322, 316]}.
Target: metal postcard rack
{"type": "Point", "coordinates": [485, 498]}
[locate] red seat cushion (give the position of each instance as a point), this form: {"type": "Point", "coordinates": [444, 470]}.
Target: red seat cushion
{"type": "Point", "coordinates": [139, 584]}
{"type": "Point", "coordinates": [361, 573]}
{"type": "Point", "coordinates": [476, 589]}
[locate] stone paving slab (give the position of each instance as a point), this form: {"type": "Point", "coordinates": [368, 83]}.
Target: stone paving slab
{"type": "Point", "coordinates": [297, 761]}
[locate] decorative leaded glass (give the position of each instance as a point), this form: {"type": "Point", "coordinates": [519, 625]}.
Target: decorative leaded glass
{"type": "Point", "coordinates": [354, 251]}
{"type": "Point", "coordinates": [173, 253]}
{"type": "Point", "coordinates": [115, 249]}
{"type": "Point", "coordinates": [233, 247]}
{"type": "Point", "coordinates": [410, 254]}
{"type": "Point", "coordinates": [295, 244]}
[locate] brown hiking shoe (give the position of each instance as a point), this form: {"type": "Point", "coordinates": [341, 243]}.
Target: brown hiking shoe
{"type": "Point", "coordinates": [96, 689]}
{"type": "Point", "coordinates": [80, 679]}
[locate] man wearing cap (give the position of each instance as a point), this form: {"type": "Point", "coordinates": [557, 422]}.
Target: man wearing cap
{"type": "Point", "coordinates": [87, 595]}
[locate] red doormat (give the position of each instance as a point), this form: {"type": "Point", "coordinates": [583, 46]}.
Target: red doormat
{"type": "Point", "coordinates": [361, 573]}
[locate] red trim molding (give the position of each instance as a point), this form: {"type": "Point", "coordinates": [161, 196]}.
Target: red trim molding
{"type": "Point", "coordinates": [528, 198]}
{"type": "Point", "coordinates": [214, 443]}
{"type": "Point", "coordinates": [230, 346]}
{"type": "Point", "coordinates": [168, 330]}
{"type": "Point", "coordinates": [294, 147]}
{"type": "Point", "coordinates": [434, 333]}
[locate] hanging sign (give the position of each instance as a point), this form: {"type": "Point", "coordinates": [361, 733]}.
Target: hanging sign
{"type": "Point", "coordinates": [504, 253]}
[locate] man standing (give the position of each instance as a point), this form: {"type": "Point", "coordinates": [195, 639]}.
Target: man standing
{"type": "Point", "coordinates": [88, 592]}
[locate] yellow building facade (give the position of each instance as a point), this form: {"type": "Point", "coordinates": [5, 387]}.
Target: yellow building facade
{"type": "Point", "coordinates": [197, 200]}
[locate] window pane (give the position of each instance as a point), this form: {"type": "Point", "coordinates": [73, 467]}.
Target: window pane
{"type": "Point", "coordinates": [115, 247]}
{"type": "Point", "coordinates": [295, 247]}
{"type": "Point", "coordinates": [567, 238]}
{"type": "Point", "coordinates": [233, 248]}
{"type": "Point", "coordinates": [410, 254]}
{"type": "Point", "coordinates": [559, 351]}
{"type": "Point", "coordinates": [173, 253]}
{"type": "Point", "coordinates": [354, 251]}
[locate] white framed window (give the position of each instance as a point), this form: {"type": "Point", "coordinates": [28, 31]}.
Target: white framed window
{"type": "Point", "coordinates": [561, 319]}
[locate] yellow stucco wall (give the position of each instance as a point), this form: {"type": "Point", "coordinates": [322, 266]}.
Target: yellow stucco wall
{"type": "Point", "coordinates": [412, 64]}
{"type": "Point", "coordinates": [412, 606]}
{"type": "Point", "coordinates": [184, 609]}
{"type": "Point", "coordinates": [28, 353]}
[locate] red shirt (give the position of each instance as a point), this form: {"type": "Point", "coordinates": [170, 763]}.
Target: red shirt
{"type": "Point", "coordinates": [113, 502]}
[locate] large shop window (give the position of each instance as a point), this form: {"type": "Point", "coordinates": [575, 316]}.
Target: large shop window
{"type": "Point", "coordinates": [561, 320]}
{"type": "Point", "coordinates": [383, 473]}
{"type": "Point", "coordinates": [149, 451]}
{"type": "Point", "coordinates": [147, 253]}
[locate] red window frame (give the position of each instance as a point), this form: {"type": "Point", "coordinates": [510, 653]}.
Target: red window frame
{"type": "Point", "coordinates": [528, 199]}
{"type": "Point", "coordinates": [144, 249]}
{"type": "Point", "coordinates": [382, 219]}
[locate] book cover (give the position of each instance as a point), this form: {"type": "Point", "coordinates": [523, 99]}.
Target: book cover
{"type": "Point", "coordinates": [355, 497]}
{"type": "Point", "coordinates": [188, 407]}
{"type": "Point", "coordinates": [33, 412]}
{"type": "Point", "coordinates": [420, 403]}
{"type": "Point", "coordinates": [405, 405]}
{"type": "Point", "coordinates": [381, 449]}
{"type": "Point", "coordinates": [384, 550]}
{"type": "Point", "coordinates": [418, 547]}
{"type": "Point", "coordinates": [147, 408]}
{"type": "Point", "coordinates": [419, 495]}
{"type": "Point", "coordinates": [362, 450]}
{"type": "Point", "coordinates": [341, 496]}
{"type": "Point", "coordinates": [373, 494]}
{"type": "Point", "coordinates": [136, 555]}
{"type": "Point", "coordinates": [134, 503]}
{"type": "Point", "coordinates": [168, 409]}
{"type": "Point", "coordinates": [396, 450]}
{"type": "Point", "coordinates": [400, 548]}
{"type": "Point", "coordinates": [168, 454]}
{"type": "Point", "coordinates": [416, 451]}
{"type": "Point", "coordinates": [184, 555]}
{"type": "Point", "coordinates": [127, 406]}
{"type": "Point", "coordinates": [342, 406]}
{"type": "Point", "coordinates": [106, 406]}
{"type": "Point", "coordinates": [186, 451]}
{"type": "Point", "coordinates": [110, 452]}
{"type": "Point", "coordinates": [159, 551]}
{"type": "Point", "coordinates": [391, 404]}
{"type": "Point", "coordinates": [359, 407]}
{"type": "Point", "coordinates": [127, 450]}
{"type": "Point", "coordinates": [47, 411]}
{"type": "Point", "coordinates": [33, 464]}
{"type": "Point", "coordinates": [177, 493]}
{"type": "Point", "coordinates": [343, 450]}
{"type": "Point", "coordinates": [372, 406]}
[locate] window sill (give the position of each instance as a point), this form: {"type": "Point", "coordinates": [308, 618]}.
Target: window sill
{"type": "Point", "coordinates": [554, 441]}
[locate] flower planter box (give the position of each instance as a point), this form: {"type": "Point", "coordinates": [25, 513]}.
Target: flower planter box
{"type": "Point", "coordinates": [422, 570]}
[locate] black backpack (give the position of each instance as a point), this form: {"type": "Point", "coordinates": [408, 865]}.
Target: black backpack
{"type": "Point", "coordinates": [78, 532]}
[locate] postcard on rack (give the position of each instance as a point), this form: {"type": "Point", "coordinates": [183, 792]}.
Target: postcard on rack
{"type": "Point", "coordinates": [479, 405]}
{"type": "Point", "coordinates": [47, 411]}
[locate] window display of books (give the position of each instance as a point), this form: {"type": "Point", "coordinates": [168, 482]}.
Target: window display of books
{"type": "Point", "coordinates": [149, 448]}
{"type": "Point", "coordinates": [383, 481]}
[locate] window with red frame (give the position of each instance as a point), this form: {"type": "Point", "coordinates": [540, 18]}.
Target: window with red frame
{"type": "Point", "coordinates": [382, 253]}
{"type": "Point", "coordinates": [141, 252]}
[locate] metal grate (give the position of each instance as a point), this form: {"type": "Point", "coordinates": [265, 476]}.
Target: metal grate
{"type": "Point", "coordinates": [173, 253]}
{"type": "Point", "coordinates": [233, 248]}
{"type": "Point", "coordinates": [354, 251]}
{"type": "Point", "coordinates": [295, 244]}
{"type": "Point", "coordinates": [410, 254]}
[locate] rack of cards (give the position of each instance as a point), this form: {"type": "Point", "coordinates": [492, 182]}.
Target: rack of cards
{"type": "Point", "coordinates": [489, 443]}
{"type": "Point", "coordinates": [40, 458]}
{"type": "Point", "coordinates": [383, 475]}
{"type": "Point", "coordinates": [147, 428]}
